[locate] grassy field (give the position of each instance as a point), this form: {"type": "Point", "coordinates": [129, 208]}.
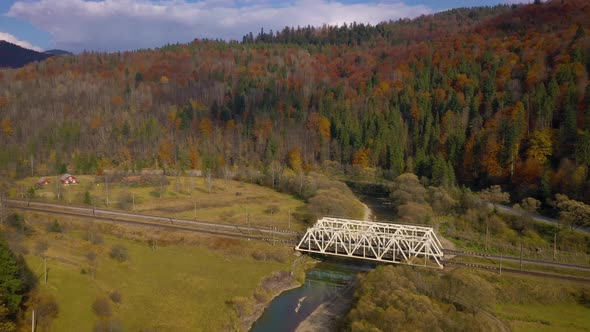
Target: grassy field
{"type": "Point", "coordinates": [184, 197]}
{"type": "Point", "coordinates": [537, 317]}
{"type": "Point", "coordinates": [169, 288]}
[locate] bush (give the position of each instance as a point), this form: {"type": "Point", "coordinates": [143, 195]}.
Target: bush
{"type": "Point", "coordinates": [119, 253]}
{"type": "Point", "coordinates": [125, 201]}
{"type": "Point", "coordinates": [55, 227]}
{"type": "Point", "coordinates": [94, 237]}
{"type": "Point", "coordinates": [102, 307]}
{"type": "Point", "coordinates": [87, 198]}
{"type": "Point", "coordinates": [415, 213]}
{"type": "Point", "coordinates": [15, 220]}
{"type": "Point", "coordinates": [116, 297]}
{"type": "Point", "coordinates": [335, 203]}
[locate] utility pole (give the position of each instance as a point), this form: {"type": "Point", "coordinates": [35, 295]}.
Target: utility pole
{"type": "Point", "coordinates": [521, 255]}
{"type": "Point", "coordinates": [248, 221]}
{"type": "Point", "coordinates": [500, 263]}
{"type": "Point", "coordinates": [106, 183]}
{"type": "Point", "coordinates": [45, 268]}
{"type": "Point", "coordinates": [554, 246]}
{"type": "Point", "coordinates": [487, 233]}
{"type": "Point", "coordinates": [33, 321]}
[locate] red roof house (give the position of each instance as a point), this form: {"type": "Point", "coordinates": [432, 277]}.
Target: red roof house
{"type": "Point", "coordinates": [68, 179]}
{"type": "Point", "coordinates": [43, 181]}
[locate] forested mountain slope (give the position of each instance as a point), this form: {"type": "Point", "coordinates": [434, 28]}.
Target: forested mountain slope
{"type": "Point", "coordinates": [478, 96]}
{"type": "Point", "coordinates": [14, 56]}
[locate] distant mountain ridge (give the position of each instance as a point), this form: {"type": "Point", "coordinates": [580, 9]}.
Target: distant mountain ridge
{"type": "Point", "coordinates": [14, 56]}
{"type": "Point", "coordinates": [57, 52]}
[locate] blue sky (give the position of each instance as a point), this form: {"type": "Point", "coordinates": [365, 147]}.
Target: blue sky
{"type": "Point", "coordinates": [111, 25]}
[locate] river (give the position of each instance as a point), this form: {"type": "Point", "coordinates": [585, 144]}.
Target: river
{"type": "Point", "coordinates": [322, 282]}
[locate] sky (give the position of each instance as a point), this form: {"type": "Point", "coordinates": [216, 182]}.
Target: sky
{"type": "Point", "coordinates": [120, 25]}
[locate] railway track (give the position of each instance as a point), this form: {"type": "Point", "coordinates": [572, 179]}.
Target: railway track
{"type": "Point", "coordinates": [516, 271]}
{"type": "Point", "coordinates": [217, 229]}
{"type": "Point", "coordinates": [516, 259]}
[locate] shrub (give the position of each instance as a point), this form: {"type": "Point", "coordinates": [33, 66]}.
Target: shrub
{"type": "Point", "coordinates": [87, 198]}
{"type": "Point", "coordinates": [55, 227]}
{"type": "Point", "coordinates": [94, 237]}
{"type": "Point", "coordinates": [116, 297]}
{"type": "Point", "coordinates": [119, 253]}
{"type": "Point", "coordinates": [102, 307]}
{"type": "Point", "coordinates": [415, 213]}
{"type": "Point", "coordinates": [335, 203]}
{"type": "Point", "coordinates": [125, 201]}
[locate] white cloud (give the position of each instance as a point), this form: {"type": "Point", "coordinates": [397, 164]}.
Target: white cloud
{"type": "Point", "coordinates": [22, 43]}
{"type": "Point", "coordinates": [131, 24]}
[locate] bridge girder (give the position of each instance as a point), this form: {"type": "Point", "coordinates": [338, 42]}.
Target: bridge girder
{"type": "Point", "coordinates": [383, 242]}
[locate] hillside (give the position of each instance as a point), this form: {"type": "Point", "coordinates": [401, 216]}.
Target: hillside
{"type": "Point", "coordinates": [14, 56]}
{"type": "Point", "coordinates": [476, 96]}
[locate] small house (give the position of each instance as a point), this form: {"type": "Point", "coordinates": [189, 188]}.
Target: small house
{"type": "Point", "coordinates": [43, 181]}
{"type": "Point", "coordinates": [68, 179]}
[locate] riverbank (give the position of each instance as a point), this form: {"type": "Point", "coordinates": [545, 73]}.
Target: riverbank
{"type": "Point", "coordinates": [330, 314]}
{"type": "Point", "coordinates": [276, 288]}
{"type": "Point", "coordinates": [270, 288]}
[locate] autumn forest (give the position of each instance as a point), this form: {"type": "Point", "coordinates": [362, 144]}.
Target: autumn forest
{"type": "Point", "coordinates": [475, 97]}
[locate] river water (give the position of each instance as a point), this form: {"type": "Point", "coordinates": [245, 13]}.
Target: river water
{"type": "Point", "coordinates": [322, 282]}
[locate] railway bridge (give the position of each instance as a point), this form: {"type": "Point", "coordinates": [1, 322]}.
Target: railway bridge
{"type": "Point", "coordinates": [383, 242]}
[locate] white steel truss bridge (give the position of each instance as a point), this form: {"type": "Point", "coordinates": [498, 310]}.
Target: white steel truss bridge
{"type": "Point", "coordinates": [383, 242]}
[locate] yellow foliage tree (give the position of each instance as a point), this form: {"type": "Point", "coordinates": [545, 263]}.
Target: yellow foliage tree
{"type": "Point", "coordinates": [295, 159]}
{"type": "Point", "coordinates": [361, 158]}
{"type": "Point", "coordinates": [324, 127]}
{"type": "Point", "coordinates": [7, 127]}
{"type": "Point", "coordinates": [206, 127]}
{"type": "Point", "coordinates": [540, 145]}
{"type": "Point", "coordinates": [165, 153]}
{"type": "Point", "coordinates": [195, 159]}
